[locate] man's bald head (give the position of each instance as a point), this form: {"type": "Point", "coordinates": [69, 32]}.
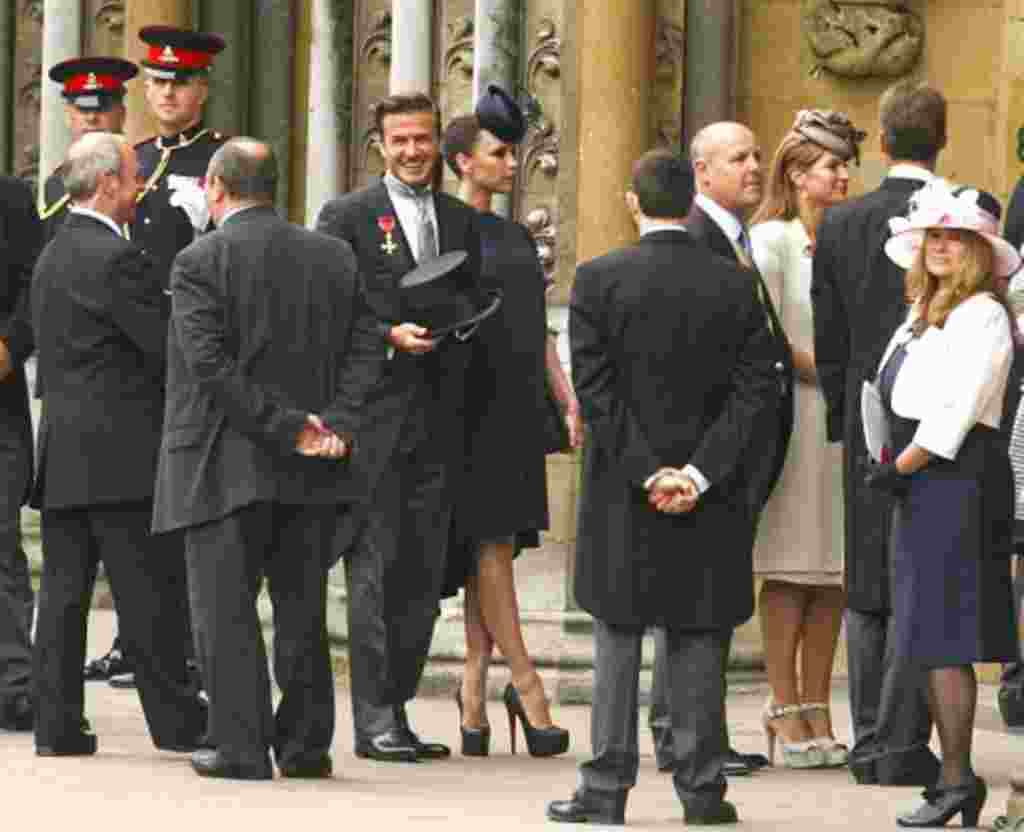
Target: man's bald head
{"type": "Point", "coordinates": [247, 168]}
{"type": "Point", "coordinates": [727, 166]}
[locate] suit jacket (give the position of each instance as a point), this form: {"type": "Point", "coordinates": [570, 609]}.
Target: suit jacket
{"type": "Point", "coordinates": [57, 204]}
{"type": "Point", "coordinates": [267, 326]}
{"type": "Point", "coordinates": [20, 241]}
{"type": "Point", "coordinates": [1014, 229]}
{"type": "Point", "coordinates": [673, 363]}
{"type": "Point", "coordinates": [100, 323]}
{"type": "Point", "coordinates": [858, 299]}
{"type": "Point", "coordinates": [775, 427]}
{"type": "Point", "coordinates": [418, 398]}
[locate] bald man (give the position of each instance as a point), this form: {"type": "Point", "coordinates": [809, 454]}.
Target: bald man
{"type": "Point", "coordinates": [726, 160]}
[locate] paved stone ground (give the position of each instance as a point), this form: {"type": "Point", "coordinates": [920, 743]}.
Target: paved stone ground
{"type": "Point", "coordinates": [130, 785]}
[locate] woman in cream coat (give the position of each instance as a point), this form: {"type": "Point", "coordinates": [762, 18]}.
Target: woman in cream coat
{"type": "Point", "coordinates": [799, 550]}
{"type": "Point", "coordinates": [943, 382]}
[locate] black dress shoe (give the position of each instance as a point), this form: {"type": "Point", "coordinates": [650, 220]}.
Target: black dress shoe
{"type": "Point", "coordinates": [701, 812]}
{"type": "Point", "coordinates": [428, 750]}
{"type": "Point", "coordinates": [188, 746]}
{"type": "Point", "coordinates": [735, 765]}
{"type": "Point", "coordinates": [122, 681]}
{"type": "Point", "coordinates": [752, 761]}
{"type": "Point", "coordinates": [389, 747]}
{"type": "Point", "coordinates": [311, 768]}
{"type": "Point", "coordinates": [115, 663]}
{"type": "Point", "coordinates": [590, 807]}
{"type": "Point", "coordinates": [211, 763]}
{"type": "Point", "coordinates": [944, 803]}
{"type": "Point", "coordinates": [81, 744]}
{"type": "Point", "coordinates": [17, 714]}
{"type": "Point", "coordinates": [1011, 704]}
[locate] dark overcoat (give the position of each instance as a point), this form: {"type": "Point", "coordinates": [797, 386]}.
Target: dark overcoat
{"type": "Point", "coordinates": [858, 300]}
{"type": "Point", "coordinates": [673, 364]}
{"type": "Point", "coordinates": [268, 324]}
{"type": "Point", "coordinates": [57, 205]}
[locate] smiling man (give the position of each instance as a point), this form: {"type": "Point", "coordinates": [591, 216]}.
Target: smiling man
{"type": "Point", "coordinates": [414, 443]}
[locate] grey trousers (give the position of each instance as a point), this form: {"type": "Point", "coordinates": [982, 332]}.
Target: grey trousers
{"type": "Point", "coordinates": [695, 667]}
{"type": "Point", "coordinates": [887, 696]}
{"type": "Point", "coordinates": [394, 574]}
{"type": "Point", "coordinates": [16, 597]}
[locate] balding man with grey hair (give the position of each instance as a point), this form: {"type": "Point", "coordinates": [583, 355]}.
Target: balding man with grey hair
{"type": "Point", "coordinates": [100, 321]}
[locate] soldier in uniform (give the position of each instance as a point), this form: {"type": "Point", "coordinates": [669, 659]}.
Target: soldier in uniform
{"type": "Point", "coordinates": [93, 90]}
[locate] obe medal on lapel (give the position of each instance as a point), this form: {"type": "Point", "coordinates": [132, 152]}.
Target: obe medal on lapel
{"type": "Point", "coordinates": [387, 225]}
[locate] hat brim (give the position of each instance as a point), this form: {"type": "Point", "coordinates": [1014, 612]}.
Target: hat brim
{"type": "Point", "coordinates": [433, 269]}
{"type": "Point", "coordinates": [902, 249]}
{"type": "Point", "coordinates": [482, 315]}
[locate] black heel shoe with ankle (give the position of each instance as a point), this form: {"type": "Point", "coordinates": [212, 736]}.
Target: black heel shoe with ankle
{"type": "Point", "coordinates": [476, 742]}
{"type": "Point", "coordinates": [943, 803]}
{"type": "Point", "coordinates": [541, 742]}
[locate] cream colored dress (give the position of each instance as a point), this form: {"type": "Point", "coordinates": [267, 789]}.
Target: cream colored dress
{"type": "Point", "coordinates": [800, 537]}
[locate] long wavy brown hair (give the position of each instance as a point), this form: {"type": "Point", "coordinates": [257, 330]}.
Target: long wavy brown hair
{"type": "Point", "coordinates": [935, 298]}
{"type": "Point", "coordinates": [795, 153]}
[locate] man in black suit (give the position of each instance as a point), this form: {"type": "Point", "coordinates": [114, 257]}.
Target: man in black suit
{"type": "Point", "coordinates": [271, 355]}
{"type": "Point", "coordinates": [20, 241]}
{"type": "Point", "coordinates": [858, 298]}
{"type": "Point", "coordinates": [726, 161]}
{"type": "Point", "coordinates": [100, 322]}
{"type": "Point", "coordinates": [672, 379]}
{"type": "Point", "coordinates": [413, 448]}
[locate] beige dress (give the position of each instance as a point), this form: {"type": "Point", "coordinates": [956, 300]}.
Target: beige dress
{"type": "Point", "coordinates": [800, 537]}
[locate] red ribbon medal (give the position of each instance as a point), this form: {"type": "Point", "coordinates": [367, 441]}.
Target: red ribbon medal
{"type": "Point", "coordinates": [387, 225]}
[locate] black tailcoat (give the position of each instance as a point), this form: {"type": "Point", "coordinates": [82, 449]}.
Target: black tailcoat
{"type": "Point", "coordinates": [673, 363]}
{"type": "Point", "coordinates": [267, 326]}
{"type": "Point", "coordinates": [858, 299]}
{"type": "Point", "coordinates": [777, 426]}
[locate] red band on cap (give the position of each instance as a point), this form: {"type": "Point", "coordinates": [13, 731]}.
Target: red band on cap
{"type": "Point", "coordinates": [174, 58]}
{"type": "Point", "coordinates": [91, 82]}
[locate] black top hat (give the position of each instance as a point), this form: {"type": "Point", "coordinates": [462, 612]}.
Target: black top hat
{"type": "Point", "coordinates": [93, 83]}
{"type": "Point", "coordinates": [498, 112]}
{"type": "Point", "coordinates": [439, 295]}
{"type": "Point", "coordinates": [178, 53]}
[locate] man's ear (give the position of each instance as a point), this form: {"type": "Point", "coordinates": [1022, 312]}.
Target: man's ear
{"type": "Point", "coordinates": [464, 163]}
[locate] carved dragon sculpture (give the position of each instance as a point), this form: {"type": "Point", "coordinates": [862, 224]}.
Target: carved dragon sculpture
{"type": "Point", "coordinates": [861, 38]}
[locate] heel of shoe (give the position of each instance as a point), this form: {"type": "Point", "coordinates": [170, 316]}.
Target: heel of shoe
{"type": "Point", "coordinates": [540, 742]}
{"type": "Point", "coordinates": [511, 727]}
{"type": "Point", "coordinates": [971, 810]}
{"type": "Point", "coordinates": [476, 742]}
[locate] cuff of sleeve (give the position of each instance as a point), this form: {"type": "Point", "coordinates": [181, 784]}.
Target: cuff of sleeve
{"type": "Point", "coordinates": [938, 440]}
{"type": "Point", "coordinates": [695, 475]}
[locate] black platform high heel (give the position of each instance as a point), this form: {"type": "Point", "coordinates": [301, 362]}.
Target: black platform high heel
{"type": "Point", "coordinates": [541, 742]}
{"type": "Point", "coordinates": [943, 803]}
{"type": "Point", "coordinates": [476, 742]}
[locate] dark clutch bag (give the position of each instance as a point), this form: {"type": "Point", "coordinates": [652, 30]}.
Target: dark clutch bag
{"type": "Point", "coordinates": [556, 432]}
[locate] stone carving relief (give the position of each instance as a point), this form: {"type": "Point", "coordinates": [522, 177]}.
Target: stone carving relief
{"type": "Point", "coordinates": [545, 236]}
{"type": "Point", "coordinates": [666, 107]}
{"type": "Point", "coordinates": [27, 85]}
{"type": "Point", "coordinates": [458, 57]}
{"type": "Point", "coordinates": [861, 38]}
{"type": "Point", "coordinates": [373, 40]}
{"type": "Point", "coordinates": [376, 48]}
{"type": "Point", "coordinates": [104, 27]}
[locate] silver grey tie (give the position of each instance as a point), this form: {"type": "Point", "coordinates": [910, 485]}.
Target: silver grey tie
{"type": "Point", "coordinates": [426, 234]}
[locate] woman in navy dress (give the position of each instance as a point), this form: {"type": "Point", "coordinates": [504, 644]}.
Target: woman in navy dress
{"type": "Point", "coordinates": [943, 381]}
{"type": "Point", "coordinates": [502, 500]}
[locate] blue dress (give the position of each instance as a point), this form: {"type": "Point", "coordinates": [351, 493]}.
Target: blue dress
{"type": "Point", "coordinates": [952, 539]}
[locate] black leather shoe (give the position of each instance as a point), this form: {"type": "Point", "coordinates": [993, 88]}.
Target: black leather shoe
{"type": "Point", "coordinates": [81, 744]}
{"type": "Point", "coordinates": [122, 681]}
{"type": "Point", "coordinates": [211, 763]}
{"type": "Point", "coordinates": [944, 803]}
{"type": "Point", "coordinates": [115, 663]}
{"type": "Point", "coordinates": [1011, 705]}
{"type": "Point", "coordinates": [389, 747]}
{"type": "Point", "coordinates": [735, 765]}
{"type": "Point", "coordinates": [701, 812]}
{"type": "Point", "coordinates": [590, 807]}
{"type": "Point", "coordinates": [318, 767]}
{"type": "Point", "coordinates": [429, 750]}
{"type": "Point", "coordinates": [752, 761]}
{"type": "Point", "coordinates": [17, 714]}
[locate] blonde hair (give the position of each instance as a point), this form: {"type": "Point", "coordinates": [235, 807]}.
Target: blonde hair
{"type": "Point", "coordinates": [935, 299]}
{"type": "Point", "coordinates": [795, 153]}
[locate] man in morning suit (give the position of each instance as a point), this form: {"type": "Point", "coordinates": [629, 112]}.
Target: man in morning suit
{"type": "Point", "coordinates": [672, 362]}
{"type": "Point", "coordinates": [858, 298]}
{"type": "Point", "coordinates": [20, 241]}
{"type": "Point", "coordinates": [414, 443]}
{"type": "Point", "coordinates": [271, 355]}
{"type": "Point", "coordinates": [100, 322]}
{"type": "Point", "coordinates": [726, 163]}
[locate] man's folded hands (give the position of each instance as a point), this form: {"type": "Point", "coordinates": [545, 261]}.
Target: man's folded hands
{"type": "Point", "coordinates": [670, 491]}
{"type": "Point", "coordinates": [316, 439]}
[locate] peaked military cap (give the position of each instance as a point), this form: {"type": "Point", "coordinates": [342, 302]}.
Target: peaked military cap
{"type": "Point", "coordinates": [93, 83]}
{"type": "Point", "coordinates": [178, 53]}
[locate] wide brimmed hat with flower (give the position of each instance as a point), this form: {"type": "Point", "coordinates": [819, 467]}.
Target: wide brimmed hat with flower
{"type": "Point", "coordinates": [941, 205]}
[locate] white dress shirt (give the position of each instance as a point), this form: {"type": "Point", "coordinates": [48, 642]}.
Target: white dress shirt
{"type": "Point", "coordinates": [954, 377]}
{"type": "Point", "coordinates": [409, 216]}
{"type": "Point", "coordinates": [96, 215]}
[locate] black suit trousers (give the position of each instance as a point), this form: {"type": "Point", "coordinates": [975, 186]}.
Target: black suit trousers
{"type": "Point", "coordinates": [228, 559]}
{"type": "Point", "coordinates": [143, 573]}
{"type": "Point", "coordinates": [16, 599]}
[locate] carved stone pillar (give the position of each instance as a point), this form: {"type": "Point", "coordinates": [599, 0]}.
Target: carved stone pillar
{"type": "Point", "coordinates": [615, 71]}
{"type": "Point", "coordinates": [6, 87]}
{"type": "Point", "coordinates": [709, 85]}
{"type": "Point", "coordinates": [231, 79]}
{"type": "Point", "coordinates": [62, 39]}
{"type": "Point", "coordinates": [138, 13]}
{"type": "Point", "coordinates": [324, 154]}
{"type": "Point", "coordinates": [412, 28]}
{"type": "Point", "coordinates": [270, 86]}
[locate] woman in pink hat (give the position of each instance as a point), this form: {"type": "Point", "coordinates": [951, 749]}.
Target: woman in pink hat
{"type": "Point", "coordinates": [943, 381]}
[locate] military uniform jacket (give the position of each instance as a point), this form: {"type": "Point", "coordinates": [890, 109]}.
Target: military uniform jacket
{"type": "Point", "coordinates": [57, 204]}
{"type": "Point", "coordinates": [160, 229]}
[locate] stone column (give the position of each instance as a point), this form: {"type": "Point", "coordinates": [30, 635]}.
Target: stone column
{"type": "Point", "coordinates": [6, 85]}
{"type": "Point", "coordinates": [496, 56]}
{"type": "Point", "coordinates": [138, 13]}
{"type": "Point", "coordinates": [227, 108]}
{"type": "Point", "coordinates": [710, 76]}
{"type": "Point", "coordinates": [615, 70]}
{"type": "Point", "coordinates": [325, 157]}
{"type": "Point", "coordinates": [270, 86]}
{"type": "Point", "coordinates": [62, 39]}
{"type": "Point", "coordinates": [412, 29]}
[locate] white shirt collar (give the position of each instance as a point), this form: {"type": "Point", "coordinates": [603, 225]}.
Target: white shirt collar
{"type": "Point", "coordinates": [651, 226]}
{"type": "Point", "coordinates": [904, 171]}
{"type": "Point", "coordinates": [726, 220]}
{"type": "Point", "coordinates": [96, 215]}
